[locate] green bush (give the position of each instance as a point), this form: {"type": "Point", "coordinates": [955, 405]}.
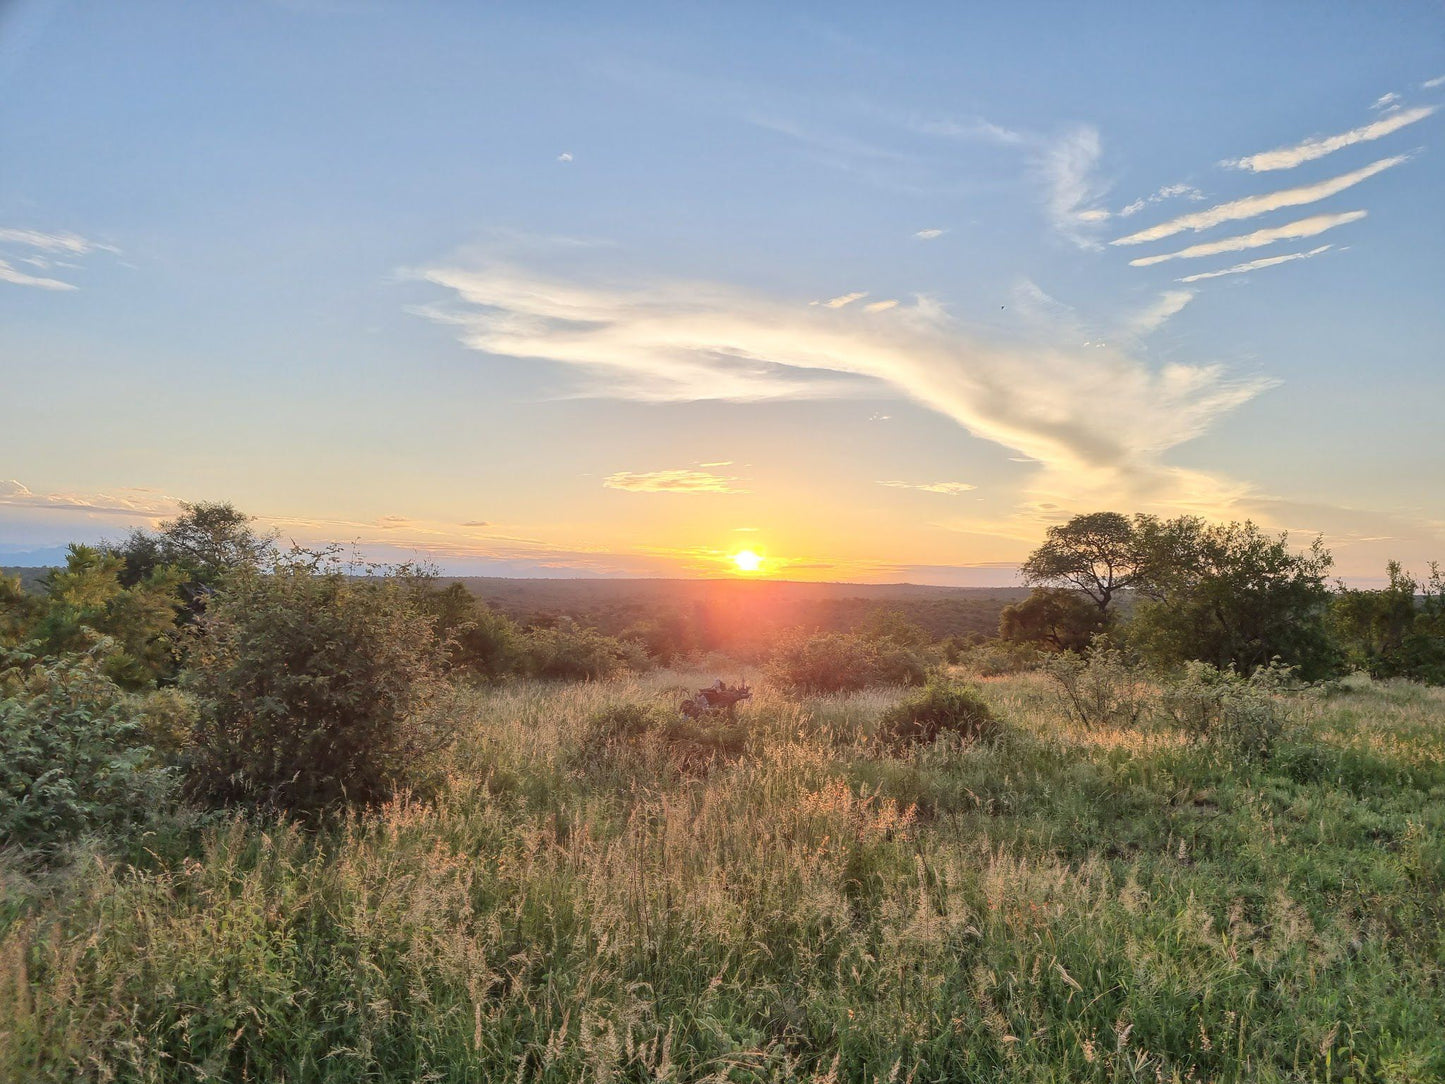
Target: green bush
{"type": "Point", "coordinates": [312, 687]}
{"type": "Point", "coordinates": [479, 640]}
{"type": "Point", "coordinates": [1242, 715]}
{"type": "Point", "coordinates": [1104, 688]}
{"type": "Point", "coordinates": [841, 662]}
{"type": "Point", "coordinates": [570, 652]}
{"type": "Point", "coordinates": [997, 658]}
{"type": "Point", "coordinates": [73, 758]}
{"type": "Point", "coordinates": [937, 709]}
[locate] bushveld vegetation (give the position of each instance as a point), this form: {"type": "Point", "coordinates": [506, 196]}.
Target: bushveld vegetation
{"type": "Point", "coordinates": [274, 816]}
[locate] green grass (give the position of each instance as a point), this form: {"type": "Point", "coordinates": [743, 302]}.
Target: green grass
{"type": "Point", "coordinates": [1054, 904]}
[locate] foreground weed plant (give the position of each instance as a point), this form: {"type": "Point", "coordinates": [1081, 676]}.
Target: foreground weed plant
{"type": "Point", "coordinates": [1065, 902]}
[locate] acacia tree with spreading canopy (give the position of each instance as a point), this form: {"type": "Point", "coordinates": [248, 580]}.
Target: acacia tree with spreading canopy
{"type": "Point", "coordinates": [1096, 553]}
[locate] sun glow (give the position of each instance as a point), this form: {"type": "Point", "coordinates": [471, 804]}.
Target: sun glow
{"type": "Point", "coordinates": [747, 561]}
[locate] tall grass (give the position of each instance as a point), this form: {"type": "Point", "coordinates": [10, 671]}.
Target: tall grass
{"type": "Point", "coordinates": [1056, 903]}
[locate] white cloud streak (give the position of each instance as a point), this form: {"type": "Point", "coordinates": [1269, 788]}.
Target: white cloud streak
{"type": "Point", "coordinates": [1151, 318]}
{"type": "Point", "coordinates": [951, 489]}
{"type": "Point", "coordinates": [844, 299]}
{"type": "Point", "coordinates": [1099, 413]}
{"type": "Point", "coordinates": [671, 481]}
{"type": "Point", "coordinates": [8, 273]}
{"type": "Point", "coordinates": [930, 234]}
{"type": "Point", "coordinates": [128, 501]}
{"type": "Point", "coordinates": [1168, 191]}
{"type": "Point", "coordinates": [1069, 168]}
{"type": "Point", "coordinates": [1431, 84]}
{"type": "Point", "coordinates": [53, 242]}
{"type": "Point", "coordinates": [1253, 206]}
{"type": "Point", "coordinates": [1292, 231]}
{"type": "Point", "coordinates": [1310, 149]}
{"type": "Point", "coordinates": [1256, 265]}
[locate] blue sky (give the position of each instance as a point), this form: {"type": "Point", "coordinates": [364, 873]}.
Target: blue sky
{"type": "Point", "coordinates": [877, 292]}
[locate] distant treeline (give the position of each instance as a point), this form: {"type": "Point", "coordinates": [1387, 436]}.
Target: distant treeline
{"type": "Point", "coordinates": [740, 617]}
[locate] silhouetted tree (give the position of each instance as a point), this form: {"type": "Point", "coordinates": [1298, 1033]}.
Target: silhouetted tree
{"type": "Point", "coordinates": [1097, 553]}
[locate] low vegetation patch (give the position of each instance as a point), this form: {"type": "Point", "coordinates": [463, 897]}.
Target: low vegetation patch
{"type": "Point", "coordinates": [939, 708]}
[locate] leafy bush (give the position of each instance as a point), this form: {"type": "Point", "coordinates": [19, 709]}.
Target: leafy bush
{"type": "Point", "coordinates": [634, 731]}
{"type": "Point", "coordinates": [1056, 619]}
{"type": "Point", "coordinates": [937, 709]}
{"type": "Point", "coordinates": [1104, 688]}
{"type": "Point", "coordinates": [479, 640]}
{"type": "Point", "coordinates": [570, 652]}
{"type": "Point", "coordinates": [1242, 715]}
{"type": "Point", "coordinates": [840, 662]}
{"type": "Point", "coordinates": [86, 608]}
{"type": "Point", "coordinates": [996, 658]}
{"type": "Point", "coordinates": [72, 757]}
{"type": "Point", "coordinates": [311, 685]}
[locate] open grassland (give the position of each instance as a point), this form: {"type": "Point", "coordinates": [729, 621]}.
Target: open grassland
{"type": "Point", "coordinates": [788, 899]}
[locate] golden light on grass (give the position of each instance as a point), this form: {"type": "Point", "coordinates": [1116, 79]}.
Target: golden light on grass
{"type": "Point", "coordinates": [747, 561]}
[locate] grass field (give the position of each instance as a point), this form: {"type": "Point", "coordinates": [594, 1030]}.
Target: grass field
{"type": "Point", "coordinates": [789, 900]}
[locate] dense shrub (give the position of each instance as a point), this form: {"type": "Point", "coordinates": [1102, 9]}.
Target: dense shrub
{"type": "Point", "coordinates": [1104, 688]}
{"type": "Point", "coordinates": [85, 607]}
{"type": "Point", "coordinates": [937, 709]}
{"type": "Point", "coordinates": [996, 658]}
{"type": "Point", "coordinates": [634, 733]}
{"type": "Point", "coordinates": [479, 640]}
{"type": "Point", "coordinates": [840, 662]}
{"type": "Point", "coordinates": [73, 758]}
{"type": "Point", "coordinates": [311, 686]}
{"type": "Point", "coordinates": [1244, 715]}
{"type": "Point", "coordinates": [1055, 619]}
{"type": "Point", "coordinates": [567, 651]}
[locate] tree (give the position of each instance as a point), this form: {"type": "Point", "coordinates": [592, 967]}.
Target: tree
{"type": "Point", "coordinates": [1059, 618]}
{"type": "Point", "coordinates": [1097, 553]}
{"type": "Point", "coordinates": [86, 607]}
{"type": "Point", "coordinates": [205, 542]}
{"type": "Point", "coordinates": [1232, 596]}
{"type": "Point", "coordinates": [1393, 632]}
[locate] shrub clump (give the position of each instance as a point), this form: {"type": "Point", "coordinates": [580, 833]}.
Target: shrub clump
{"type": "Point", "coordinates": [690, 745]}
{"type": "Point", "coordinates": [842, 662]}
{"type": "Point", "coordinates": [311, 687]}
{"type": "Point", "coordinates": [569, 652]}
{"type": "Point", "coordinates": [937, 709]}
{"type": "Point", "coordinates": [1104, 688]}
{"type": "Point", "coordinates": [73, 757]}
{"type": "Point", "coordinates": [1244, 715]}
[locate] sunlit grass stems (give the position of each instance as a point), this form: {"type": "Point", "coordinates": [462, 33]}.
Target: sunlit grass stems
{"type": "Point", "coordinates": [1048, 902]}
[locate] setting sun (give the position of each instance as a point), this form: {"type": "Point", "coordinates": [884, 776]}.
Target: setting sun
{"type": "Point", "coordinates": [747, 561]}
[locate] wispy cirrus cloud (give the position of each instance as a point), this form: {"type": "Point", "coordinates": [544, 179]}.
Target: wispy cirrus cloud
{"type": "Point", "coordinates": [1167, 192]}
{"type": "Point", "coordinates": [1431, 84]}
{"type": "Point", "coordinates": [1253, 206]}
{"type": "Point", "coordinates": [9, 273]}
{"type": "Point", "coordinates": [1311, 149]}
{"type": "Point", "coordinates": [1256, 265]}
{"type": "Point", "coordinates": [1153, 316]}
{"type": "Point", "coordinates": [1069, 167]}
{"type": "Point", "coordinates": [62, 244]}
{"type": "Point", "coordinates": [72, 243]}
{"type": "Point", "coordinates": [843, 299]}
{"type": "Point", "coordinates": [1291, 231]}
{"type": "Point", "coordinates": [951, 489]}
{"type": "Point", "coordinates": [127, 501]}
{"type": "Point", "coordinates": [671, 481]}
{"type": "Point", "coordinates": [930, 234]}
{"type": "Point", "coordinates": [1099, 414]}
